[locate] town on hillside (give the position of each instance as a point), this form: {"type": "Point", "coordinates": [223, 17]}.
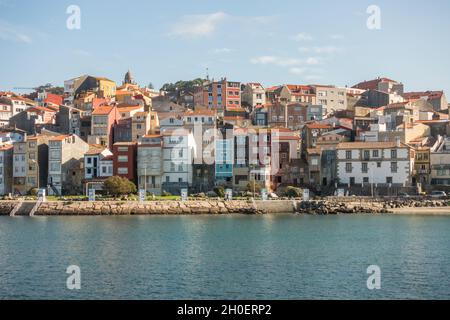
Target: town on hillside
{"type": "Point", "coordinates": [206, 135]}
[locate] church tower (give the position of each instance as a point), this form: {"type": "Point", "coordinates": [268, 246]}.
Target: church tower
{"type": "Point", "coordinates": [128, 78]}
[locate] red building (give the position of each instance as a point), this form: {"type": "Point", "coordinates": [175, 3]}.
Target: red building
{"type": "Point", "coordinates": [124, 160]}
{"type": "Point", "coordinates": [219, 95]}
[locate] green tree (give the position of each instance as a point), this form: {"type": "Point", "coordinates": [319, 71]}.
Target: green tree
{"type": "Point", "coordinates": [220, 191]}
{"type": "Point", "coordinates": [118, 186]}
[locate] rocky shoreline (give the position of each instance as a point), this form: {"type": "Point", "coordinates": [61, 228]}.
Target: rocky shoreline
{"type": "Point", "coordinates": [218, 207]}
{"type": "Point", "coordinates": [368, 207]}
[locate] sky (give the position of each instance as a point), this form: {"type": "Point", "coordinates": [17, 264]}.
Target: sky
{"type": "Point", "coordinates": [272, 42]}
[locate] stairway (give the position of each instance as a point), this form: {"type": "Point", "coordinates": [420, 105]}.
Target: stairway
{"type": "Point", "coordinates": [24, 208]}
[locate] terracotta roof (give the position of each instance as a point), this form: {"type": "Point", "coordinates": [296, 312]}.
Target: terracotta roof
{"type": "Point", "coordinates": [38, 108]}
{"type": "Point", "coordinates": [200, 112]}
{"type": "Point", "coordinates": [318, 126]}
{"type": "Point", "coordinates": [418, 95]}
{"type": "Point", "coordinates": [127, 108]}
{"type": "Point", "coordinates": [6, 147]}
{"type": "Point", "coordinates": [95, 149]}
{"type": "Point", "coordinates": [181, 132]}
{"type": "Point", "coordinates": [60, 138]}
{"type": "Point", "coordinates": [372, 84]}
{"type": "Point", "coordinates": [313, 150]}
{"type": "Point", "coordinates": [152, 136]}
{"type": "Point", "coordinates": [369, 145]}
{"type": "Point", "coordinates": [103, 110]}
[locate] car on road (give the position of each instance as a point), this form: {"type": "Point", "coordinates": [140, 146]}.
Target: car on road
{"type": "Point", "coordinates": [438, 194]}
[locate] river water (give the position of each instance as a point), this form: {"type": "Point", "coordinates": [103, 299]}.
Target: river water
{"type": "Point", "coordinates": [225, 257]}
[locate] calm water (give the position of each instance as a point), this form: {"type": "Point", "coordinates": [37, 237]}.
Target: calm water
{"type": "Point", "coordinates": [227, 257]}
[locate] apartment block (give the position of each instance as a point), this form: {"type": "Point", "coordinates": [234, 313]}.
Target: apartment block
{"type": "Point", "coordinates": [150, 163]}
{"type": "Point", "coordinates": [381, 163]}
{"type": "Point", "coordinates": [124, 155]}
{"type": "Point", "coordinates": [65, 164]}
{"type": "Point", "coordinates": [6, 171]}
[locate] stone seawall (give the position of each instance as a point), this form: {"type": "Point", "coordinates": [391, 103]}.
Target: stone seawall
{"type": "Point", "coordinates": [6, 207]}
{"type": "Point", "coordinates": [217, 207]}
{"type": "Point", "coordinates": [147, 208]}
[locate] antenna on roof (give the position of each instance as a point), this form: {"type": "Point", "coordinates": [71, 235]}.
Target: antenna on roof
{"type": "Point", "coordinates": [207, 74]}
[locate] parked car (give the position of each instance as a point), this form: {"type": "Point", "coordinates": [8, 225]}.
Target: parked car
{"type": "Point", "coordinates": [438, 194]}
{"type": "Point", "coordinates": [404, 195]}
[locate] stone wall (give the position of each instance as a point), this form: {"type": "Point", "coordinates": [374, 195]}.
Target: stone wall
{"type": "Point", "coordinates": [6, 207]}
{"type": "Point", "coordinates": [147, 208]}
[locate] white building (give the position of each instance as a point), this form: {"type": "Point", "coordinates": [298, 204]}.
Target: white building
{"type": "Point", "coordinates": [381, 163]}
{"type": "Point", "coordinates": [179, 150]}
{"type": "Point", "coordinates": [150, 163]}
{"type": "Point", "coordinates": [5, 114]}
{"type": "Point", "coordinates": [254, 95]}
{"type": "Point", "coordinates": [93, 162]}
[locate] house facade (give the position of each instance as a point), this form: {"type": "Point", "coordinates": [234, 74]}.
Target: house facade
{"type": "Point", "coordinates": [381, 163]}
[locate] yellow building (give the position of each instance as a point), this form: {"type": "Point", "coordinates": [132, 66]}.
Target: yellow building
{"type": "Point", "coordinates": [422, 165]}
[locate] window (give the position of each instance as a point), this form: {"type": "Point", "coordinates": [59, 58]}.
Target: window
{"type": "Point", "coordinates": [55, 166]}
{"type": "Point", "coordinates": [365, 180]}
{"type": "Point", "coordinates": [348, 154]}
{"type": "Point", "coordinates": [394, 154]}
{"type": "Point", "coordinates": [89, 160]}
{"type": "Point", "coordinates": [394, 167]}
{"type": "Point", "coordinates": [375, 153]}
{"type": "Point", "coordinates": [378, 164]}
{"type": "Point", "coordinates": [122, 159]}
{"type": "Point", "coordinates": [122, 149]}
{"type": "Point", "coordinates": [366, 154]}
{"type": "Point", "coordinates": [389, 180]}
{"type": "Point", "coordinates": [348, 167]}
{"type": "Point", "coordinates": [365, 167]}
{"type": "Point", "coordinates": [122, 170]}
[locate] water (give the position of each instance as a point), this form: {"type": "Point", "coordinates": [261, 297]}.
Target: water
{"type": "Point", "coordinates": [225, 257]}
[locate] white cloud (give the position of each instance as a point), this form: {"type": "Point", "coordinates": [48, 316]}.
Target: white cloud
{"type": "Point", "coordinates": [321, 50]}
{"type": "Point", "coordinates": [194, 26]}
{"type": "Point", "coordinates": [302, 36]}
{"type": "Point", "coordinates": [205, 25]}
{"type": "Point", "coordinates": [221, 50]}
{"type": "Point", "coordinates": [11, 33]}
{"type": "Point", "coordinates": [278, 61]}
{"type": "Point", "coordinates": [312, 61]}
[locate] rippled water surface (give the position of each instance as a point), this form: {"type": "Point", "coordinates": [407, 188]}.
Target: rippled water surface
{"type": "Point", "coordinates": [225, 257]}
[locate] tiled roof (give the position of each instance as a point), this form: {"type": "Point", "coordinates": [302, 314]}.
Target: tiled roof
{"type": "Point", "coordinates": [418, 95]}
{"type": "Point", "coordinates": [372, 84]}
{"type": "Point", "coordinates": [370, 145]}
{"type": "Point", "coordinates": [318, 126]}
{"type": "Point", "coordinates": [102, 110]}
{"type": "Point", "coordinates": [60, 138]}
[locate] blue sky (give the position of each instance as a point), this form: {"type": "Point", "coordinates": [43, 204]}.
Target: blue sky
{"type": "Point", "coordinates": [273, 42]}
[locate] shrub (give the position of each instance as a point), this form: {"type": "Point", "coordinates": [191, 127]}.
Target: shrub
{"type": "Point", "coordinates": [253, 187]}
{"type": "Point", "coordinates": [33, 192]}
{"type": "Point", "coordinates": [118, 186]}
{"type": "Point", "coordinates": [293, 192]}
{"type": "Point", "coordinates": [220, 191]}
